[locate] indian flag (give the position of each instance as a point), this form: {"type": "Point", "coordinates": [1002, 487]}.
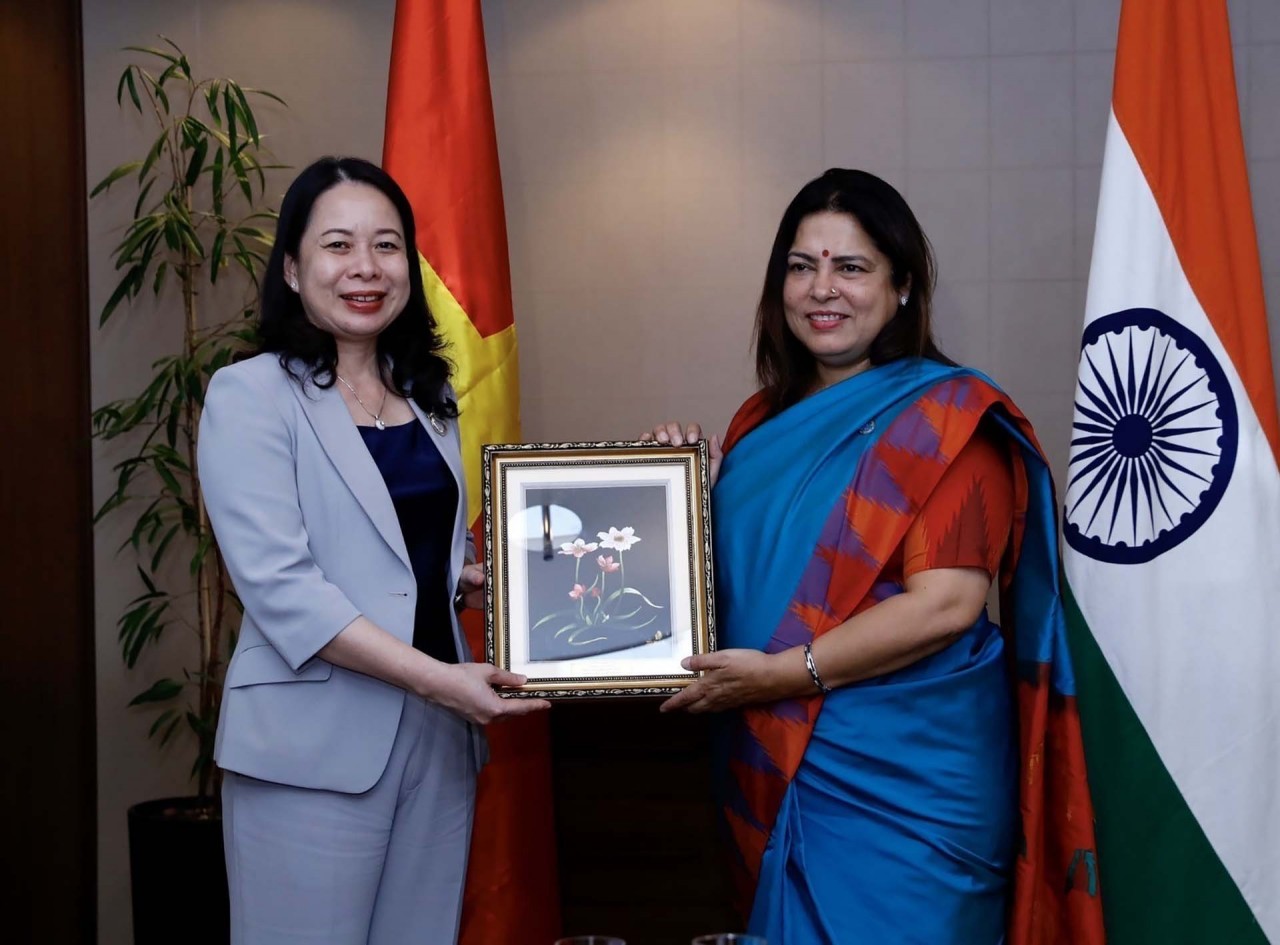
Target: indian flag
{"type": "Point", "coordinates": [440, 146]}
{"type": "Point", "coordinates": [1172, 506]}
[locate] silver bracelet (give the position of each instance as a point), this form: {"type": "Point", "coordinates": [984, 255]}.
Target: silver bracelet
{"type": "Point", "coordinates": [813, 670]}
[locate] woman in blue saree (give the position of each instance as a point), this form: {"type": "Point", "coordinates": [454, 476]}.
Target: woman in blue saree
{"type": "Point", "coordinates": [893, 766]}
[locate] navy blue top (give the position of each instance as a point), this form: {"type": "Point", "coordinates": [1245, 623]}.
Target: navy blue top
{"type": "Point", "coordinates": [426, 501]}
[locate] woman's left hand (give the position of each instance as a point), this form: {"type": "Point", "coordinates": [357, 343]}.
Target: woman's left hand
{"type": "Point", "coordinates": [471, 585]}
{"type": "Point", "coordinates": [733, 678]}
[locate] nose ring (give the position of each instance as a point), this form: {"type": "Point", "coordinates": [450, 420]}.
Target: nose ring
{"type": "Point", "coordinates": [834, 292]}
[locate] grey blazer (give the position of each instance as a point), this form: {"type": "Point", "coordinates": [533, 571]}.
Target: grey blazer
{"type": "Point", "coordinates": [311, 541]}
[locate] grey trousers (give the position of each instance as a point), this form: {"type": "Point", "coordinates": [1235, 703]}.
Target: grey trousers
{"type": "Point", "coordinates": [385, 867]}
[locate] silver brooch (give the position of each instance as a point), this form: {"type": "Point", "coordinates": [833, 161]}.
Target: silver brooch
{"type": "Point", "coordinates": [437, 424]}
{"type": "Point", "coordinates": [867, 428]}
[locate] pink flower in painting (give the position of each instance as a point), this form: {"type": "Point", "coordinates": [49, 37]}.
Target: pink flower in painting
{"type": "Point", "coordinates": [577, 592]}
{"type": "Point", "coordinates": [607, 564]}
{"type": "Point", "coordinates": [595, 591]}
{"type": "Point", "coordinates": [578, 547]}
{"type": "Point", "coordinates": [619, 539]}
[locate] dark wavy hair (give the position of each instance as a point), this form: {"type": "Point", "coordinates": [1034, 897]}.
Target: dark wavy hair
{"type": "Point", "coordinates": [784, 367]}
{"type": "Point", "coordinates": [409, 349]}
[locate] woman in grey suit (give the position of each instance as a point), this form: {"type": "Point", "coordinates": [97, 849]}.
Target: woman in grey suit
{"type": "Point", "coordinates": [330, 463]}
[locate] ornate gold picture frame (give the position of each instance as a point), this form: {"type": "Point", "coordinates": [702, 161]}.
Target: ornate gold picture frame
{"type": "Point", "coordinates": [600, 566]}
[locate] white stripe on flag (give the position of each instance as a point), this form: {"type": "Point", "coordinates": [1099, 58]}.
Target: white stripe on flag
{"type": "Point", "coordinates": [1193, 636]}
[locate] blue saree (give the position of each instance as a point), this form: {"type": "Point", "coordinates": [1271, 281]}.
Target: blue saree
{"type": "Point", "coordinates": [888, 810]}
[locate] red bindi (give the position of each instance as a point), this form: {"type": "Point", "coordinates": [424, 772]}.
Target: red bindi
{"type": "Point", "coordinates": [826, 253]}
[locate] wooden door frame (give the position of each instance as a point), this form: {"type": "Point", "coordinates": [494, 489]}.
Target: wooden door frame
{"type": "Point", "coordinates": [48, 778]}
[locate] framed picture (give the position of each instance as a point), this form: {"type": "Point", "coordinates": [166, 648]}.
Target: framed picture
{"type": "Point", "coordinates": [600, 577]}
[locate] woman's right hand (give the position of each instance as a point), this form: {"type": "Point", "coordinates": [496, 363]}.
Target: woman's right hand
{"type": "Point", "coordinates": [674, 434]}
{"type": "Point", "coordinates": [466, 689]}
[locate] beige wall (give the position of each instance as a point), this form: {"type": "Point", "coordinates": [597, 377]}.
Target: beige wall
{"type": "Point", "coordinates": [648, 148]}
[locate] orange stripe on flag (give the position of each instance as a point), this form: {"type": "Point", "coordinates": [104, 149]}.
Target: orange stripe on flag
{"type": "Point", "coordinates": [1175, 98]}
{"type": "Point", "coordinates": [440, 146]}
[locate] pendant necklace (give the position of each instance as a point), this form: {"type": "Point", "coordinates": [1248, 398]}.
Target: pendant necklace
{"type": "Point", "coordinates": [377, 417]}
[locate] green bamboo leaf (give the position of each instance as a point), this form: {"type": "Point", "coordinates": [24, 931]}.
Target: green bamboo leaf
{"type": "Point", "coordinates": [168, 732]}
{"type": "Point", "coordinates": [169, 72]}
{"type": "Point", "coordinates": [171, 237]}
{"type": "Point", "coordinates": [215, 255]}
{"type": "Point", "coordinates": [157, 148]}
{"type": "Point", "coordinates": [198, 724]}
{"type": "Point", "coordinates": [215, 183]}
{"type": "Point", "coordinates": [211, 100]}
{"type": "Point", "coordinates": [138, 627]}
{"type": "Point", "coordinates": [149, 629]}
{"type": "Point", "coordinates": [187, 234]}
{"type": "Point", "coordinates": [161, 690]}
{"type": "Point", "coordinates": [196, 130]}
{"type": "Point", "coordinates": [255, 233]}
{"type": "Point", "coordinates": [111, 504]}
{"type": "Point", "coordinates": [134, 237]}
{"type": "Point", "coordinates": [160, 720]}
{"type": "Point", "coordinates": [190, 133]}
{"type": "Point", "coordinates": [195, 391]}
{"type": "Point", "coordinates": [229, 109]}
{"type": "Point", "coordinates": [252, 163]}
{"type": "Point", "coordinates": [152, 51]}
{"type": "Point", "coordinates": [133, 89]}
{"type": "Point", "coordinates": [242, 178]}
{"type": "Point", "coordinates": [171, 455]}
{"type": "Point", "coordinates": [171, 424]}
{"type": "Point", "coordinates": [170, 481]}
{"type": "Point", "coordinates": [220, 359]}
{"type": "Point", "coordinates": [124, 170]}
{"type": "Point", "coordinates": [156, 88]}
{"type": "Point", "coordinates": [142, 198]}
{"type": "Point", "coordinates": [158, 555]}
{"type": "Point", "coordinates": [128, 625]}
{"type": "Point", "coordinates": [149, 596]}
{"type": "Point", "coordinates": [146, 579]}
{"type": "Point", "coordinates": [119, 294]}
{"type": "Point", "coordinates": [266, 94]}
{"type": "Point", "coordinates": [158, 282]}
{"type": "Point", "coordinates": [203, 547]}
{"type": "Point", "coordinates": [246, 112]}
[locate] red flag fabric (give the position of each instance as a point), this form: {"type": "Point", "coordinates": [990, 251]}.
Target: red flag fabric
{"type": "Point", "coordinates": [441, 148]}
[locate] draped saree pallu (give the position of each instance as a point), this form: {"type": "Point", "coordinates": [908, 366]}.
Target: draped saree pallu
{"type": "Point", "coordinates": [901, 808]}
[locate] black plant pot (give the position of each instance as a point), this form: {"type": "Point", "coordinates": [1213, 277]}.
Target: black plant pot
{"type": "Point", "coordinates": [178, 873]}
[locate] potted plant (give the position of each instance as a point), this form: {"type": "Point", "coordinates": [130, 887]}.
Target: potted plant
{"type": "Point", "coordinates": [197, 220]}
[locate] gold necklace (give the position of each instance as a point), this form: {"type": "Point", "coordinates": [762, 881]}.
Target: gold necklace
{"type": "Point", "coordinates": [377, 417]}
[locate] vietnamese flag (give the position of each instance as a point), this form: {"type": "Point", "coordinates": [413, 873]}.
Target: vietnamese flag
{"type": "Point", "coordinates": [1172, 503]}
{"type": "Point", "coordinates": [441, 148]}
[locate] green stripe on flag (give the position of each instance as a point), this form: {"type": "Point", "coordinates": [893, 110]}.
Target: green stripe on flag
{"type": "Point", "coordinates": [1162, 882]}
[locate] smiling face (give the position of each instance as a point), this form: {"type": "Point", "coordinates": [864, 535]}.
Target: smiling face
{"type": "Point", "coordinates": [838, 293]}
{"type": "Point", "coordinates": [351, 271]}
